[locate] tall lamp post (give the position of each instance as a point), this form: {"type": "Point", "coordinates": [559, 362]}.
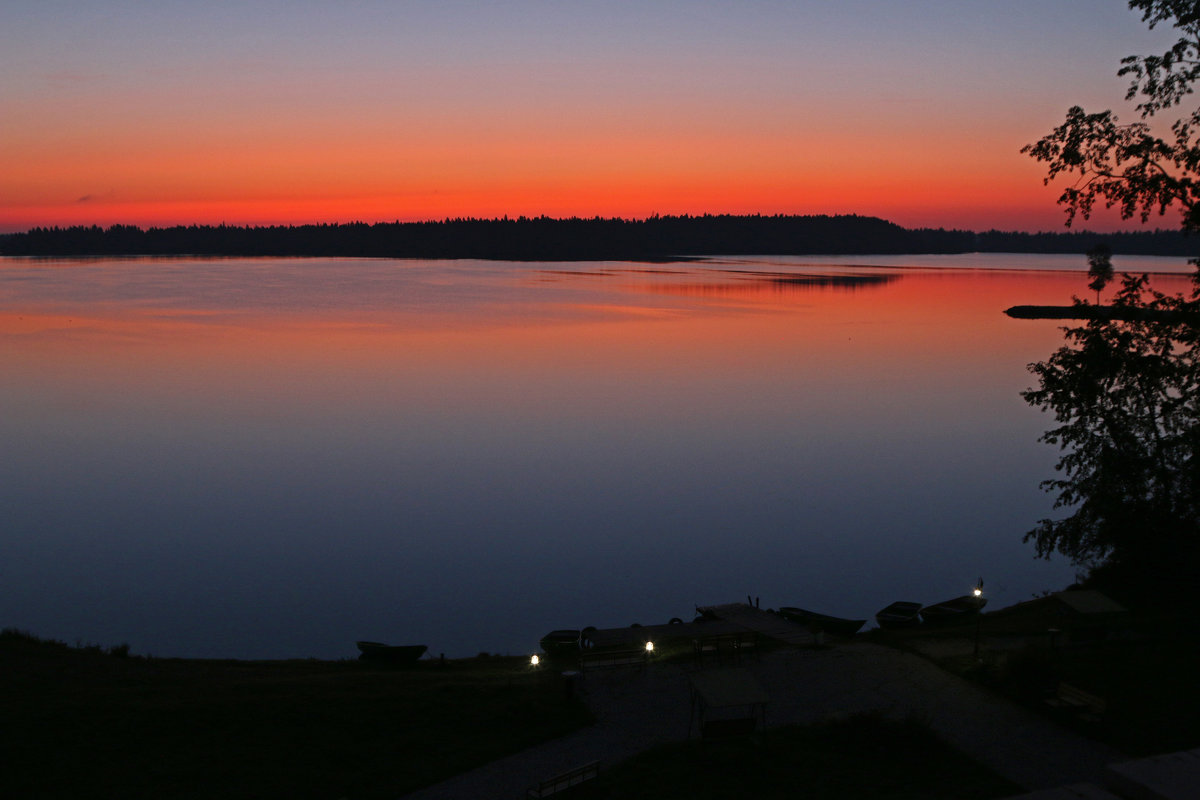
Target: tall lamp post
{"type": "Point", "coordinates": [977, 593]}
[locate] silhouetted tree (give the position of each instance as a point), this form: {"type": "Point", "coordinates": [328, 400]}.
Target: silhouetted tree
{"type": "Point", "coordinates": [1100, 268]}
{"type": "Point", "coordinates": [1128, 166]}
{"type": "Point", "coordinates": [1125, 389]}
{"type": "Point", "coordinates": [1126, 395]}
{"type": "Point", "coordinates": [544, 238]}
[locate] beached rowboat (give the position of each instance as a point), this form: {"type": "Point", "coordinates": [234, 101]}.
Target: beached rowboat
{"type": "Point", "coordinates": [900, 614]}
{"type": "Point", "coordinates": [834, 626]}
{"type": "Point", "coordinates": [393, 654]}
{"type": "Point", "coordinates": [949, 612]}
{"type": "Point", "coordinates": [560, 642]}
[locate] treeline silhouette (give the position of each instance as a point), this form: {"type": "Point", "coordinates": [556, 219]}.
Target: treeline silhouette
{"type": "Point", "coordinates": [546, 238]}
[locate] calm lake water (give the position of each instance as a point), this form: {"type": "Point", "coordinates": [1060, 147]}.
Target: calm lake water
{"type": "Point", "coordinates": [268, 458]}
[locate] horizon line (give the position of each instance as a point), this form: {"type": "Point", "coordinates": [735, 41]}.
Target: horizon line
{"type": "Point", "coordinates": [1066, 229]}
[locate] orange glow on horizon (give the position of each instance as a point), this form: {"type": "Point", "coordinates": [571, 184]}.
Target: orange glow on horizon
{"type": "Point", "coordinates": [391, 113]}
{"type": "Point", "coordinates": [227, 172]}
{"type": "Point", "coordinates": [1004, 204]}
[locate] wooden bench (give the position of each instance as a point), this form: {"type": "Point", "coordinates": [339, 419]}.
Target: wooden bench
{"type": "Point", "coordinates": [728, 728]}
{"type": "Point", "coordinates": [707, 646]}
{"type": "Point", "coordinates": [1085, 705]}
{"type": "Point", "coordinates": [565, 780]}
{"type": "Point", "coordinates": [726, 646]}
{"type": "Point", "coordinates": [747, 642]}
{"type": "Point", "coordinates": [602, 659]}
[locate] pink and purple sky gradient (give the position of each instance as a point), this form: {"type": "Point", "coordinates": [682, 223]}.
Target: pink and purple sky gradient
{"type": "Point", "coordinates": [170, 112]}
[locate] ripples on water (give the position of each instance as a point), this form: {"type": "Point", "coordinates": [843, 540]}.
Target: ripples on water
{"type": "Point", "coordinates": [274, 458]}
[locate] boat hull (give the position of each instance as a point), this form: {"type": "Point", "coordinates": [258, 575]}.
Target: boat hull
{"type": "Point", "coordinates": [834, 626]}
{"type": "Point", "coordinates": [952, 612]}
{"type": "Point", "coordinates": [390, 654]}
{"type": "Point", "coordinates": [901, 614]}
{"type": "Point", "coordinates": [560, 643]}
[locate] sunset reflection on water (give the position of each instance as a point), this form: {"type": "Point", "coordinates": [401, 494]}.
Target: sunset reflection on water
{"type": "Point", "coordinates": [272, 458]}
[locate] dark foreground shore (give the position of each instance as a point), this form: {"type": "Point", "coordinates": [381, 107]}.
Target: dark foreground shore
{"type": "Point", "coordinates": [89, 721]}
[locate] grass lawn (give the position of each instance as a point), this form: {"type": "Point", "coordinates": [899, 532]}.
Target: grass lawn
{"type": "Point", "coordinates": [81, 722]}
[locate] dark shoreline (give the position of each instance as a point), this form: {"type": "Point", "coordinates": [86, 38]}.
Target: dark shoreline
{"type": "Point", "coordinates": [653, 239]}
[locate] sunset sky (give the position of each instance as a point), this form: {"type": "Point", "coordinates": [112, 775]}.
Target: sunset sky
{"type": "Point", "coordinates": [172, 112]}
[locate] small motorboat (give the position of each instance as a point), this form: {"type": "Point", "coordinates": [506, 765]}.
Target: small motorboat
{"type": "Point", "coordinates": [833, 626]}
{"type": "Point", "coordinates": [389, 653]}
{"type": "Point", "coordinates": [950, 612]}
{"type": "Point", "coordinates": [900, 614]}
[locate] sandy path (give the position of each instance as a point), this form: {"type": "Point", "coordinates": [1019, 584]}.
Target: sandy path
{"type": "Point", "coordinates": [636, 710]}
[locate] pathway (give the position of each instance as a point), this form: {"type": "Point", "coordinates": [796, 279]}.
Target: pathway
{"type": "Point", "coordinates": [636, 710]}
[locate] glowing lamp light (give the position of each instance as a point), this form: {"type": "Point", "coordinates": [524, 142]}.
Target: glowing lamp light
{"type": "Point", "coordinates": [977, 591]}
{"type": "Point", "coordinates": [533, 662]}
{"type": "Point", "coordinates": [649, 647]}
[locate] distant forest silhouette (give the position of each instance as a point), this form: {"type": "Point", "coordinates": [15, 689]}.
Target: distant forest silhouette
{"type": "Point", "coordinates": [546, 238]}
